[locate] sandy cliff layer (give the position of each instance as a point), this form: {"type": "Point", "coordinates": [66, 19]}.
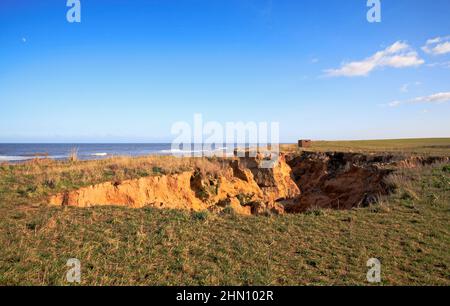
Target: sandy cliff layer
{"type": "Point", "coordinates": [295, 184]}
{"type": "Point", "coordinates": [243, 186]}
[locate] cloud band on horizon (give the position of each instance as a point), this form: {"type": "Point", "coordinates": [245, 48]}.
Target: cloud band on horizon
{"type": "Point", "coordinates": [437, 98]}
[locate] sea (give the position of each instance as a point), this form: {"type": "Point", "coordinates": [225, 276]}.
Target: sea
{"type": "Point", "coordinates": [16, 152]}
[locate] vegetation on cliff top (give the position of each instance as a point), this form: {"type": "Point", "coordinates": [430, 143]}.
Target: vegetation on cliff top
{"type": "Point", "coordinates": [419, 146]}
{"type": "Point", "coordinates": [408, 232]}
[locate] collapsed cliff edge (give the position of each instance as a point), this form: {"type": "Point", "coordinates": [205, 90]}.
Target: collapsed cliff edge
{"type": "Point", "coordinates": [296, 183]}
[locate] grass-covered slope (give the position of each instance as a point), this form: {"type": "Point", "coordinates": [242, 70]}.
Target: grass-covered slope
{"type": "Point", "coordinates": [409, 232]}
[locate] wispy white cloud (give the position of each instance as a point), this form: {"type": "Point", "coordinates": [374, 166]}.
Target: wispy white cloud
{"type": "Point", "coordinates": [405, 87]}
{"type": "Point", "coordinates": [437, 98]}
{"type": "Point", "coordinates": [394, 103]}
{"type": "Point", "coordinates": [398, 55]}
{"type": "Point", "coordinates": [437, 46]}
{"type": "Point", "coordinates": [441, 64]}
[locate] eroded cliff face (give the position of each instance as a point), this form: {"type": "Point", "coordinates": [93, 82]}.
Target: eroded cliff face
{"type": "Point", "coordinates": [244, 187]}
{"type": "Point", "coordinates": [296, 183]}
{"type": "Point", "coordinates": [346, 180]}
{"type": "Point", "coordinates": [337, 180]}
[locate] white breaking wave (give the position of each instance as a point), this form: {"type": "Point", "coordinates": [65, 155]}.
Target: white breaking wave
{"type": "Point", "coordinates": [221, 149]}
{"type": "Point", "coordinates": [178, 151]}
{"type": "Point", "coordinates": [211, 152]}
{"type": "Point", "coordinates": [99, 154]}
{"type": "Point", "coordinates": [24, 158]}
{"type": "Point", "coordinates": [14, 158]}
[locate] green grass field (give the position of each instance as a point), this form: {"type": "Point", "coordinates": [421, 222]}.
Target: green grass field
{"type": "Point", "coordinates": [424, 146]}
{"type": "Point", "coordinates": [409, 232]}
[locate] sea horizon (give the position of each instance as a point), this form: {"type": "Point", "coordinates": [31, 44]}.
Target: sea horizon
{"type": "Point", "coordinates": [14, 152]}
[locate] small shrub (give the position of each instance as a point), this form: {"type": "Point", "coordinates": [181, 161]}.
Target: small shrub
{"type": "Point", "coordinates": [200, 215]}
{"type": "Point", "coordinates": [228, 211]}
{"type": "Point", "coordinates": [50, 183]}
{"type": "Point", "coordinates": [31, 225]}
{"type": "Point", "coordinates": [245, 199]}
{"type": "Point", "coordinates": [158, 170]}
{"type": "Point", "coordinates": [446, 169]}
{"type": "Point", "coordinates": [315, 211]}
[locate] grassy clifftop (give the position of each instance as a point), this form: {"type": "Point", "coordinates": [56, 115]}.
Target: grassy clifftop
{"type": "Point", "coordinates": [422, 146]}
{"type": "Point", "coordinates": [409, 232]}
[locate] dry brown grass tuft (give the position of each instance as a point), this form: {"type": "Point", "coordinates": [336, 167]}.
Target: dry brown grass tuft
{"type": "Point", "coordinates": [73, 155]}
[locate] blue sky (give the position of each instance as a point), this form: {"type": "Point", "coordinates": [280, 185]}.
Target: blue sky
{"type": "Point", "coordinates": [131, 69]}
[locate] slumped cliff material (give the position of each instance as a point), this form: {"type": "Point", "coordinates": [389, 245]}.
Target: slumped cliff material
{"type": "Point", "coordinates": [297, 183]}
{"type": "Point", "coordinates": [245, 188]}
